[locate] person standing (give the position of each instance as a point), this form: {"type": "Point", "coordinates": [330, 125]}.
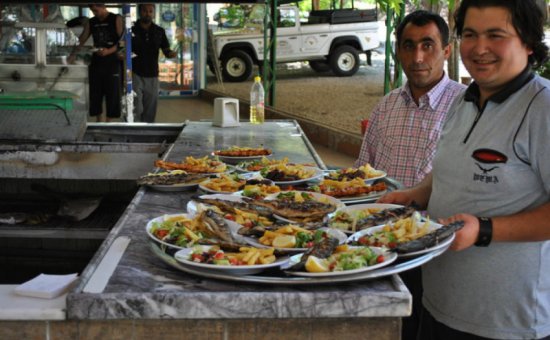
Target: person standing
{"type": "Point", "coordinates": [147, 39]}
{"type": "Point", "coordinates": [104, 71]}
{"type": "Point", "coordinates": [404, 127]}
{"type": "Point", "coordinates": [492, 171]}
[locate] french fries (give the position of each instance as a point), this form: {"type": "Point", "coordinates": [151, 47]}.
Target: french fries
{"type": "Point", "coordinates": [194, 165]}
{"type": "Point", "coordinates": [224, 183]}
{"type": "Point", "coordinates": [408, 229]}
{"type": "Point", "coordinates": [269, 236]}
{"type": "Point", "coordinates": [253, 256]}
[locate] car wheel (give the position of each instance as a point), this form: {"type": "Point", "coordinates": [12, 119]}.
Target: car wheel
{"type": "Point", "coordinates": [344, 61]}
{"type": "Point", "coordinates": [236, 66]}
{"type": "Point", "coordinates": [319, 65]}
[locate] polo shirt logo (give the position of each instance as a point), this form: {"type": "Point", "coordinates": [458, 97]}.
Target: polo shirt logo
{"type": "Point", "coordinates": [486, 158]}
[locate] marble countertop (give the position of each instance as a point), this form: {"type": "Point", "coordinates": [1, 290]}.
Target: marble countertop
{"type": "Point", "coordinates": [125, 280]}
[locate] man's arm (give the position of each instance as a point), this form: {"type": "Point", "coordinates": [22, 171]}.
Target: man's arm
{"type": "Point", "coordinates": [526, 226]}
{"type": "Point", "coordinates": [419, 194]}
{"type": "Point", "coordinates": [165, 46]}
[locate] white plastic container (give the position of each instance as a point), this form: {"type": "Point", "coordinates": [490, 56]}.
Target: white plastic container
{"type": "Point", "coordinates": [226, 112]}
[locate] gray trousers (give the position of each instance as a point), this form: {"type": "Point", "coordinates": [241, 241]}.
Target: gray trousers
{"type": "Point", "coordinates": [145, 102]}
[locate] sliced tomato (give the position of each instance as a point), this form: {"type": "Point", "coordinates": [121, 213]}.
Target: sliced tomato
{"type": "Point", "coordinates": [197, 257]}
{"type": "Point", "coordinates": [161, 233]}
{"type": "Point", "coordinates": [229, 217]}
{"type": "Point", "coordinates": [380, 259]}
{"type": "Point", "coordinates": [219, 255]}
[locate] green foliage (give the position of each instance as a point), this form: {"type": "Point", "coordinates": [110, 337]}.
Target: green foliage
{"type": "Point", "coordinates": [544, 70]}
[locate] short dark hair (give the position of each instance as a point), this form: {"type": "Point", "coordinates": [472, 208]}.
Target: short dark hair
{"type": "Point", "coordinates": [527, 19]}
{"type": "Point", "coordinates": [422, 18]}
{"type": "Point", "coordinates": [140, 6]}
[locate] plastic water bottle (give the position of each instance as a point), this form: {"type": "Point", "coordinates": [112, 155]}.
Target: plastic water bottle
{"type": "Point", "coordinates": [257, 102]}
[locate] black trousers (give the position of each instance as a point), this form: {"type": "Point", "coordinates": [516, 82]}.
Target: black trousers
{"type": "Point", "coordinates": [410, 325]}
{"type": "Point", "coordinates": [431, 329]}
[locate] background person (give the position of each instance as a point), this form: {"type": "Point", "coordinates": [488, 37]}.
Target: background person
{"type": "Point", "coordinates": [492, 166]}
{"type": "Point", "coordinates": [404, 127]}
{"type": "Point", "coordinates": [104, 71]}
{"type": "Point", "coordinates": [147, 39]}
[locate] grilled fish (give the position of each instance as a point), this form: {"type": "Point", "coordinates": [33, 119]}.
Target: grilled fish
{"type": "Point", "coordinates": [430, 239]}
{"type": "Point", "coordinates": [321, 250]}
{"type": "Point", "coordinates": [385, 216]}
{"type": "Point", "coordinates": [216, 226]}
{"type": "Point", "coordinates": [308, 210]}
{"type": "Point", "coordinates": [259, 230]}
{"type": "Point", "coordinates": [168, 178]}
{"type": "Point", "coordinates": [230, 206]}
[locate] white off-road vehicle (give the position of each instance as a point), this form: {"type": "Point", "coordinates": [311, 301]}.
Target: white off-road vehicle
{"type": "Point", "coordinates": [331, 40]}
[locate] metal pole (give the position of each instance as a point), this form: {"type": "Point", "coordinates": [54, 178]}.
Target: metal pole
{"type": "Point", "coordinates": [129, 98]}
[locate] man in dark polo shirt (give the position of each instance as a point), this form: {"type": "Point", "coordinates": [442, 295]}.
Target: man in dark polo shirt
{"type": "Point", "coordinates": [147, 39]}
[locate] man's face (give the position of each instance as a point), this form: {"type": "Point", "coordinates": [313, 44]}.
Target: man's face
{"type": "Point", "coordinates": [146, 13]}
{"type": "Point", "coordinates": [491, 49]}
{"type": "Point", "coordinates": [422, 56]}
{"type": "Point", "coordinates": [97, 9]}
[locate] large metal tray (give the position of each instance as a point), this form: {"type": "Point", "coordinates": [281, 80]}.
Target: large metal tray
{"type": "Point", "coordinates": [278, 277]}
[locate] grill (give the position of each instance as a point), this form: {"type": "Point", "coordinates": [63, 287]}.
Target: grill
{"type": "Point", "coordinates": [45, 164]}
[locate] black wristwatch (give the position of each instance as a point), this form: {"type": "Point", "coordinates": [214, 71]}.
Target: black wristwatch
{"type": "Point", "coordinates": [485, 232]}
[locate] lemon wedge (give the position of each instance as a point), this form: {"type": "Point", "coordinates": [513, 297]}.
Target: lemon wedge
{"type": "Point", "coordinates": [316, 265]}
{"type": "Point", "coordinates": [284, 241]}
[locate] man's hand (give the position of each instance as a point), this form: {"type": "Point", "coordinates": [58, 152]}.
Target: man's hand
{"type": "Point", "coordinates": [466, 236]}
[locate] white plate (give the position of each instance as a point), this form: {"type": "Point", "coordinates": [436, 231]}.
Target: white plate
{"type": "Point", "coordinates": [208, 190]}
{"type": "Point", "coordinates": [162, 219]}
{"type": "Point", "coordinates": [183, 256]}
{"type": "Point", "coordinates": [342, 238]}
{"type": "Point", "coordinates": [236, 160]}
{"type": "Point", "coordinates": [318, 173]}
{"type": "Point", "coordinates": [433, 226]}
{"type": "Point", "coordinates": [371, 180]}
{"type": "Point", "coordinates": [389, 258]}
{"type": "Point", "coordinates": [359, 207]}
{"type": "Point", "coordinates": [318, 197]}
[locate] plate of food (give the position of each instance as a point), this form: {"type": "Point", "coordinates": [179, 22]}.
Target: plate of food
{"type": "Point", "coordinates": [302, 206]}
{"type": "Point", "coordinates": [258, 189]}
{"type": "Point", "coordinates": [191, 164]}
{"type": "Point", "coordinates": [236, 154]}
{"type": "Point", "coordinates": [226, 183]}
{"type": "Point", "coordinates": [175, 180]}
{"type": "Point", "coordinates": [232, 207]}
{"type": "Point", "coordinates": [351, 191]}
{"type": "Point", "coordinates": [287, 174]}
{"type": "Point", "coordinates": [259, 164]}
{"type": "Point", "coordinates": [345, 260]}
{"type": "Point", "coordinates": [366, 172]}
{"type": "Point", "coordinates": [247, 261]}
{"type": "Point", "coordinates": [351, 219]}
{"type": "Point", "coordinates": [408, 237]}
{"type": "Point", "coordinates": [290, 238]}
{"type": "Point", "coordinates": [175, 230]}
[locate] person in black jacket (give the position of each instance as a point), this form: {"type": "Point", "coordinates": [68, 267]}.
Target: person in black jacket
{"type": "Point", "coordinates": [104, 72]}
{"type": "Point", "coordinates": [147, 39]}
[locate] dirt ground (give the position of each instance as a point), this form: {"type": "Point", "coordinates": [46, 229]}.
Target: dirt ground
{"type": "Point", "coordinates": [336, 102]}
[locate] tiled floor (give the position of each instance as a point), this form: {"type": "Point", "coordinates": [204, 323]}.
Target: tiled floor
{"type": "Point", "coordinates": [182, 109]}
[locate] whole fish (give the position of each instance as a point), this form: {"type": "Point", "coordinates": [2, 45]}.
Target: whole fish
{"type": "Point", "coordinates": [217, 226]}
{"type": "Point", "coordinates": [321, 250]}
{"type": "Point", "coordinates": [308, 210]}
{"type": "Point", "coordinates": [385, 216]}
{"type": "Point", "coordinates": [430, 239]}
{"type": "Point", "coordinates": [230, 206]}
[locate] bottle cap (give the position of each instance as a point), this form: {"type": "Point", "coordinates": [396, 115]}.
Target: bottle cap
{"type": "Point", "coordinates": [257, 78]}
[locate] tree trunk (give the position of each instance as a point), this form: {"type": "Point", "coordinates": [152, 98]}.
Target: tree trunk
{"type": "Point", "coordinates": [453, 63]}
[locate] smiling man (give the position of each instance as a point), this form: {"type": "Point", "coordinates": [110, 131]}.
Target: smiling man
{"type": "Point", "coordinates": [404, 127]}
{"type": "Point", "coordinates": [492, 170]}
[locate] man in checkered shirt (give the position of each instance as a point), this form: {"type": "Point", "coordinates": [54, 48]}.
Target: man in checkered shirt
{"type": "Point", "coordinates": [404, 127]}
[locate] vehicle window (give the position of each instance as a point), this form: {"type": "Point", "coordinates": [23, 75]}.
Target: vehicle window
{"type": "Point", "coordinates": [18, 45]}
{"type": "Point", "coordinates": [286, 18]}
